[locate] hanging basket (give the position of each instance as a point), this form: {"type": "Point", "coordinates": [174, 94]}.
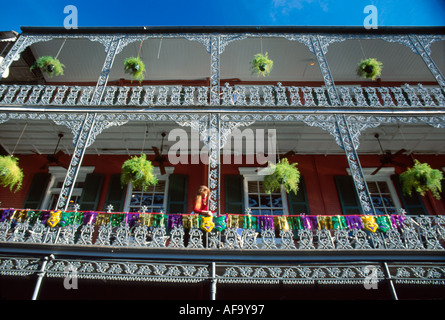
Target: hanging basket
{"type": "Point", "coordinates": [11, 175]}
{"type": "Point", "coordinates": [135, 67]}
{"type": "Point", "coordinates": [370, 68]}
{"type": "Point", "coordinates": [285, 174]}
{"type": "Point", "coordinates": [139, 171]}
{"type": "Point", "coordinates": [422, 178]}
{"type": "Point", "coordinates": [49, 65]}
{"type": "Point", "coordinates": [261, 64]}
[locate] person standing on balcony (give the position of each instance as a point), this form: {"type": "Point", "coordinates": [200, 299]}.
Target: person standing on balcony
{"type": "Point", "coordinates": [202, 202]}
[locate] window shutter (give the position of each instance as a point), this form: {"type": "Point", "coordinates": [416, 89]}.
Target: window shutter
{"type": "Point", "coordinates": [115, 193]}
{"type": "Point", "coordinates": [177, 193]}
{"type": "Point", "coordinates": [36, 191]}
{"type": "Point", "coordinates": [234, 194]}
{"type": "Point", "coordinates": [412, 204]}
{"type": "Point", "coordinates": [442, 193]}
{"type": "Point", "coordinates": [298, 202]}
{"type": "Point", "coordinates": [91, 191]}
{"type": "Point", "coordinates": [348, 195]}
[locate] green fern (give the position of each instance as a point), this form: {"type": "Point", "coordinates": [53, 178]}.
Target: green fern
{"type": "Point", "coordinates": [261, 64]}
{"type": "Point", "coordinates": [139, 171]}
{"type": "Point", "coordinates": [11, 175]}
{"type": "Point", "coordinates": [49, 65]}
{"type": "Point", "coordinates": [422, 178]}
{"type": "Point", "coordinates": [135, 67]}
{"type": "Point", "coordinates": [283, 174]}
{"type": "Point", "coordinates": [370, 68]}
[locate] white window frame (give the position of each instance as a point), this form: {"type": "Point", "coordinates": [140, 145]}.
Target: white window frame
{"type": "Point", "coordinates": [251, 174]}
{"type": "Point", "coordinates": [157, 173]}
{"type": "Point", "coordinates": [58, 174]}
{"type": "Point", "coordinates": [384, 174]}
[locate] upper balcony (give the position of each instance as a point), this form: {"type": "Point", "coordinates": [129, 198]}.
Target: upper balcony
{"type": "Point", "coordinates": [212, 71]}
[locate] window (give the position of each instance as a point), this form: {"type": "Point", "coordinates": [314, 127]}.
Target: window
{"type": "Point", "coordinates": [257, 199]}
{"type": "Point", "coordinates": [154, 199]}
{"type": "Point", "coordinates": [381, 188]}
{"type": "Point", "coordinates": [55, 186]}
{"type": "Point", "coordinates": [262, 203]}
{"type": "Point", "coordinates": [382, 191]}
{"type": "Point", "coordinates": [381, 197]}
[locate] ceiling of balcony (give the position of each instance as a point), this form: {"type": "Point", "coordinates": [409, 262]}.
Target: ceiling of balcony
{"type": "Point", "coordinates": [41, 137]}
{"type": "Point", "coordinates": [181, 59]}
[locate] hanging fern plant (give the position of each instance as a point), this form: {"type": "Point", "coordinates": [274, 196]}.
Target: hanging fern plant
{"type": "Point", "coordinates": [285, 174]}
{"type": "Point", "coordinates": [11, 175]}
{"type": "Point", "coordinates": [135, 67]}
{"type": "Point", "coordinates": [49, 65]}
{"type": "Point", "coordinates": [422, 178]}
{"type": "Point", "coordinates": [370, 68]}
{"type": "Point", "coordinates": [261, 64]}
{"type": "Point", "coordinates": [139, 171]}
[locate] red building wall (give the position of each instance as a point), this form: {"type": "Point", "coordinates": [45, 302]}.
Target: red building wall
{"type": "Point", "coordinates": [318, 171]}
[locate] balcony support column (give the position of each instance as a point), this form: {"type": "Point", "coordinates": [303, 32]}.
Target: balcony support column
{"type": "Point", "coordinates": [89, 128]}
{"type": "Point", "coordinates": [40, 276]}
{"type": "Point", "coordinates": [76, 159]}
{"type": "Point", "coordinates": [391, 282]}
{"type": "Point", "coordinates": [213, 281]}
{"type": "Point", "coordinates": [215, 65]}
{"type": "Point", "coordinates": [213, 144]}
{"type": "Point", "coordinates": [423, 50]}
{"type": "Point", "coordinates": [342, 130]}
{"type": "Point", "coordinates": [345, 137]}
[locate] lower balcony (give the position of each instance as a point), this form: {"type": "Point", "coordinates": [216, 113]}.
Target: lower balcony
{"type": "Point", "coordinates": [247, 257]}
{"type": "Point", "coordinates": [226, 232]}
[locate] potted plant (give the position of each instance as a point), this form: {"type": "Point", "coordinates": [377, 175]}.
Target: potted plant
{"type": "Point", "coordinates": [139, 171]}
{"type": "Point", "coordinates": [421, 178]}
{"type": "Point", "coordinates": [261, 64]}
{"type": "Point", "coordinates": [370, 68]}
{"type": "Point", "coordinates": [11, 175]}
{"type": "Point", "coordinates": [136, 67]}
{"type": "Point", "coordinates": [49, 65]}
{"type": "Point", "coordinates": [283, 173]}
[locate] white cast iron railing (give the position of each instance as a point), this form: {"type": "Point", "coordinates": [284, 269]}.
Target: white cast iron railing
{"type": "Point", "coordinates": [407, 96]}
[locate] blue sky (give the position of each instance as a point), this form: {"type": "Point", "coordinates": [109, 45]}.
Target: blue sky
{"type": "Point", "coordinates": [16, 13]}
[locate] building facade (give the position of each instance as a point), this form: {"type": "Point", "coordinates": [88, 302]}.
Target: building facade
{"type": "Point", "coordinates": [203, 118]}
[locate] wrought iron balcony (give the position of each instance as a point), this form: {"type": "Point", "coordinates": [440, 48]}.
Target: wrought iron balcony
{"type": "Point", "coordinates": [246, 232]}
{"type": "Point", "coordinates": [240, 95]}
